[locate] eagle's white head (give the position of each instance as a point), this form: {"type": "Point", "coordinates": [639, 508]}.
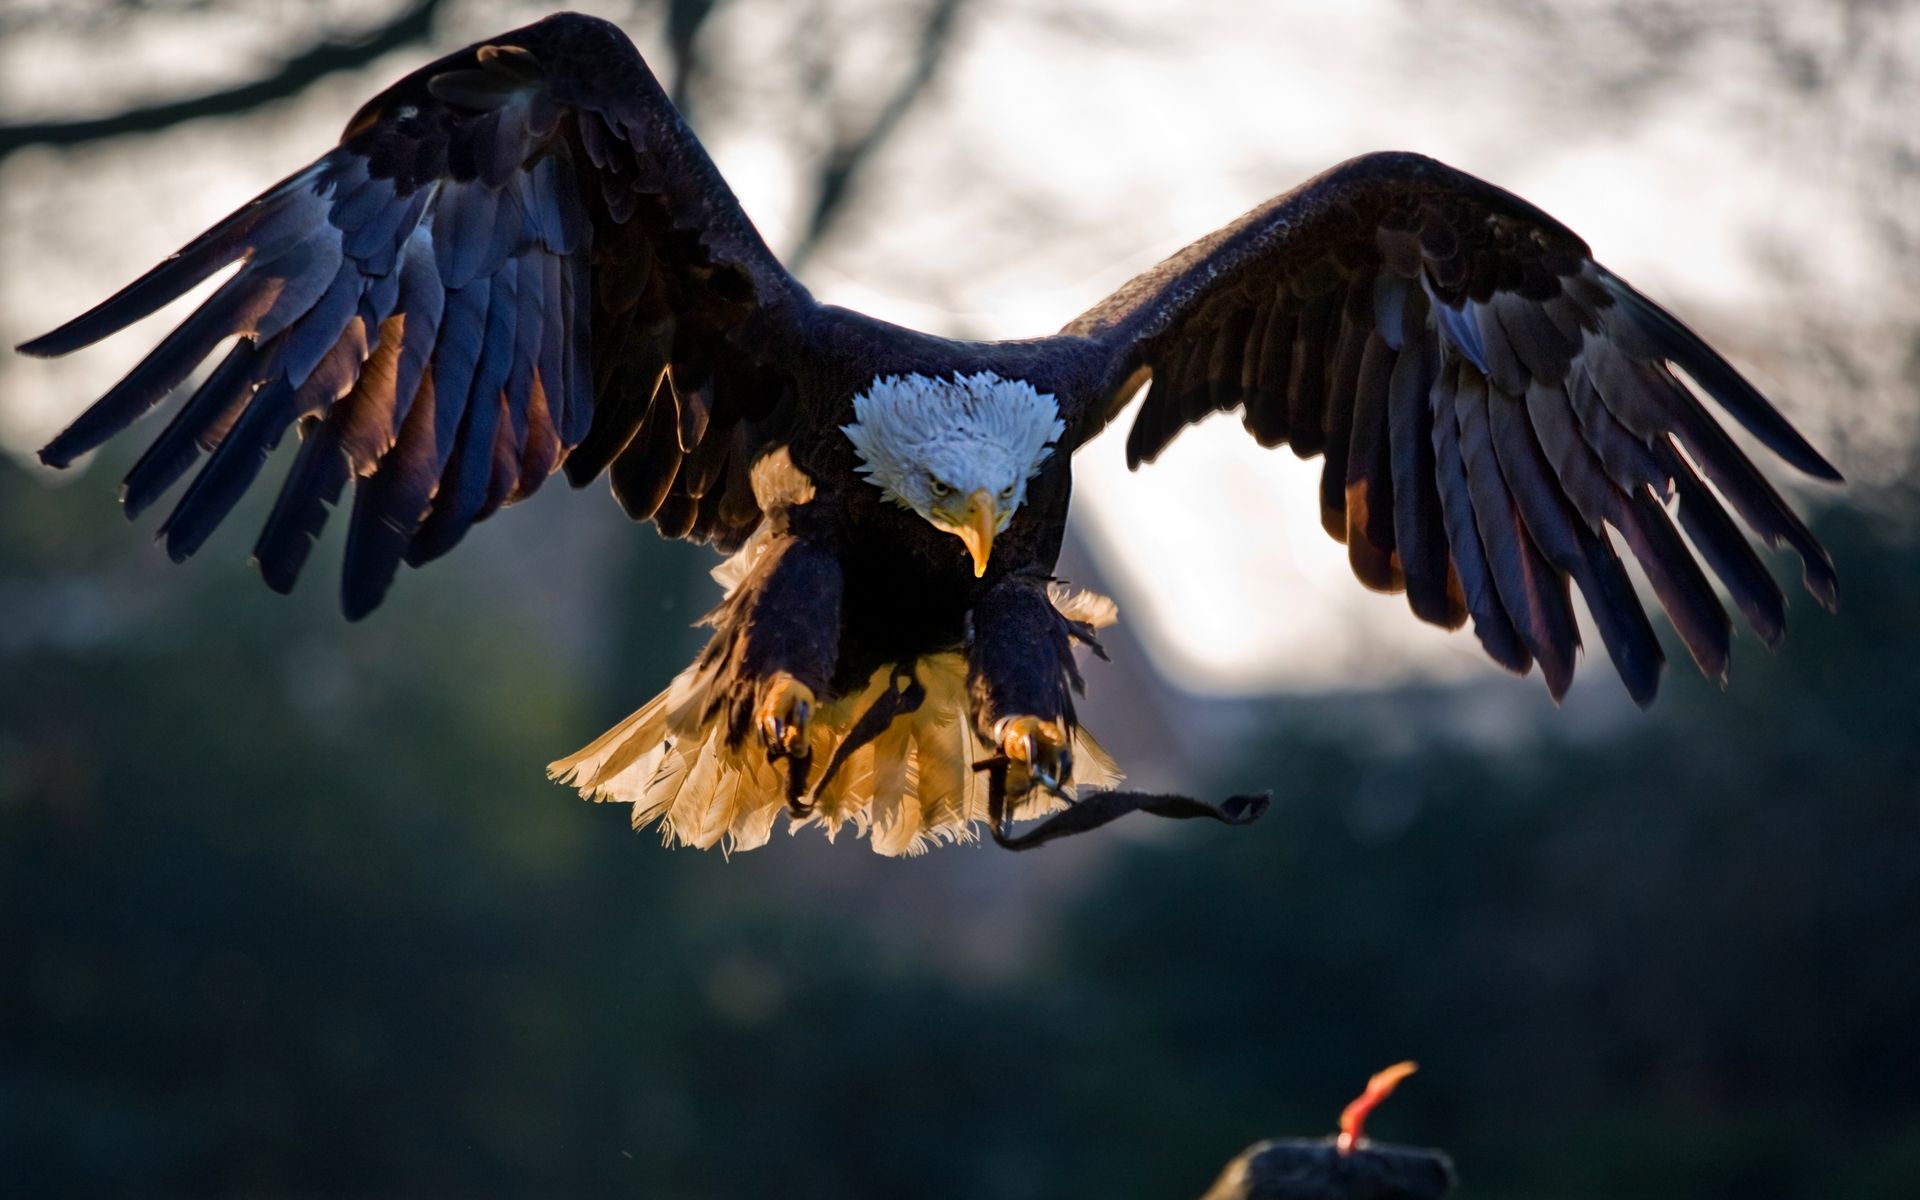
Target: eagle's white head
{"type": "Point", "coordinates": [957, 451]}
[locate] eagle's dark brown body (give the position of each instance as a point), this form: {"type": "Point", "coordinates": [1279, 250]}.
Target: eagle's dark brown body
{"type": "Point", "coordinates": [520, 260]}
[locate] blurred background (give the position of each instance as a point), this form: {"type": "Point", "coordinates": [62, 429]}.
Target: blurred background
{"type": "Point", "coordinates": [286, 906]}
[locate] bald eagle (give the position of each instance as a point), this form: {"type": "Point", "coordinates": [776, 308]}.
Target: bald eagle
{"type": "Point", "coordinates": [519, 260]}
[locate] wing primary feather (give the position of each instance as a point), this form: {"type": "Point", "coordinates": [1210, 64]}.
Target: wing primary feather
{"type": "Point", "coordinates": [1225, 388]}
{"type": "Point", "coordinates": [422, 304]}
{"type": "Point", "coordinates": [706, 461]}
{"type": "Point", "coordinates": [230, 469]}
{"type": "Point", "coordinates": [1731, 556]}
{"type": "Point", "coordinates": [321, 467]}
{"type": "Point", "coordinates": [1419, 529]}
{"type": "Point", "coordinates": [503, 475]}
{"type": "Point", "coordinates": [1267, 417]}
{"type": "Point", "coordinates": [213, 407]}
{"type": "Point", "coordinates": [1648, 400]}
{"type": "Point", "coordinates": [1343, 382]}
{"type": "Point", "coordinates": [1573, 548]}
{"type": "Point", "coordinates": [388, 505]}
{"type": "Point", "coordinates": [1193, 396]}
{"type": "Point", "coordinates": [1717, 378]}
{"type": "Point", "coordinates": [319, 473]}
{"type": "Point", "coordinates": [623, 405]}
{"type": "Point", "coordinates": [576, 283]}
{"type": "Point", "coordinates": [677, 515]}
{"type": "Point", "coordinates": [245, 304]}
{"type": "Point", "coordinates": [540, 457]}
{"type": "Point", "coordinates": [570, 422]}
{"type": "Point", "coordinates": [1390, 302]}
{"type": "Point", "coordinates": [1533, 593]}
{"type": "Point", "coordinates": [378, 300]}
{"type": "Point", "coordinates": [364, 420]}
{"type": "Point", "coordinates": [1624, 628]}
{"type": "Point", "coordinates": [1599, 500]}
{"type": "Point", "coordinates": [692, 400]}
{"type": "Point", "coordinates": [252, 229]}
{"type": "Point", "coordinates": [1492, 623]}
{"type": "Point", "coordinates": [1503, 367]}
{"type": "Point", "coordinates": [463, 484]}
{"type": "Point", "coordinates": [707, 526]}
{"type": "Point", "coordinates": [458, 348]}
{"type": "Point", "coordinates": [525, 425]}
{"type": "Point", "coordinates": [1251, 353]}
{"type": "Point", "coordinates": [1157, 421]}
{"type": "Point", "coordinates": [1581, 477]}
{"type": "Point", "coordinates": [1369, 502]}
{"type": "Point", "coordinates": [1318, 327]}
{"type": "Point", "coordinates": [1624, 457]}
{"type": "Point", "coordinates": [739, 510]}
{"type": "Point", "coordinates": [644, 472]}
{"type": "Point", "coordinates": [310, 340]}
{"type": "Point", "coordinates": [1683, 589]}
{"type": "Point", "coordinates": [1752, 496]}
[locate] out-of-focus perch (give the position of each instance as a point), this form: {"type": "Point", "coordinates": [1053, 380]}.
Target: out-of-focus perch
{"type": "Point", "coordinates": [1316, 1169]}
{"type": "Point", "coordinates": [1344, 1167]}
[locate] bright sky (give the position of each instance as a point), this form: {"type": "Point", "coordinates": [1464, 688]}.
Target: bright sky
{"type": "Point", "coordinates": [1057, 155]}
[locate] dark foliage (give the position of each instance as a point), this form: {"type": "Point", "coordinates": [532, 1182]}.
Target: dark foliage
{"type": "Point", "coordinates": [287, 907]}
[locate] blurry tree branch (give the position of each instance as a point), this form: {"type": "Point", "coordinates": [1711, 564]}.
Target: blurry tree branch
{"type": "Point", "coordinates": [852, 149]}
{"type": "Point", "coordinates": [1827, 90]}
{"type": "Point", "coordinates": [833, 175]}
{"type": "Point", "coordinates": [684, 19]}
{"type": "Point", "coordinates": [292, 76]}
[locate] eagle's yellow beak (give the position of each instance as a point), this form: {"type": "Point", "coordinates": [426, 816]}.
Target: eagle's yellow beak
{"type": "Point", "coordinates": [976, 527]}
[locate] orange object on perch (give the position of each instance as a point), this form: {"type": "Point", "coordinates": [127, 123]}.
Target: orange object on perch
{"type": "Point", "coordinates": [1353, 1117]}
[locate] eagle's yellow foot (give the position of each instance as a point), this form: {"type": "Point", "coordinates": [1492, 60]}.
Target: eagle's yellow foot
{"type": "Point", "coordinates": [785, 706]}
{"type": "Point", "coordinates": [1039, 751]}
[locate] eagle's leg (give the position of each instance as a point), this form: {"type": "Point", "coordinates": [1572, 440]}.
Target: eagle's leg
{"type": "Point", "coordinates": [1019, 673]}
{"type": "Point", "coordinates": [780, 633]}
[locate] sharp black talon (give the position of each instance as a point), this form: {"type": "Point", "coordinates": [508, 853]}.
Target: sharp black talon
{"type": "Point", "coordinates": [799, 766]}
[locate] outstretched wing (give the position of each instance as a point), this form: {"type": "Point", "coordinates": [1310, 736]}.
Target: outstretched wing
{"type": "Point", "coordinates": [1490, 402]}
{"type": "Point", "coordinates": [517, 257]}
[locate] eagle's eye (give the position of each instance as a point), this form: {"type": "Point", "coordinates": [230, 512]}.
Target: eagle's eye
{"type": "Point", "coordinates": [938, 487]}
{"type": "Point", "coordinates": [1006, 493]}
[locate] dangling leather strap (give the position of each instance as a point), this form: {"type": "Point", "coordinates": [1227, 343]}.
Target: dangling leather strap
{"type": "Point", "coordinates": [1094, 809]}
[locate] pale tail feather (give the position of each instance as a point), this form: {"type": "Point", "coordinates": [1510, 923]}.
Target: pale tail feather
{"type": "Point", "coordinates": [911, 788]}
